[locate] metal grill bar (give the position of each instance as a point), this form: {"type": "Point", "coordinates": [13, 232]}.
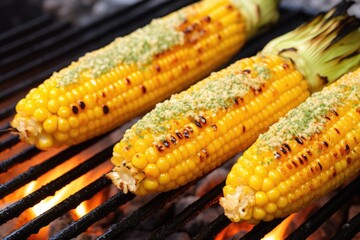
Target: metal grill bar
{"type": "Point", "coordinates": [143, 212]}
{"type": "Point", "coordinates": [85, 193]}
{"type": "Point", "coordinates": [349, 230]}
{"type": "Point", "coordinates": [8, 143]}
{"type": "Point", "coordinates": [72, 33]}
{"type": "Point", "coordinates": [326, 211]}
{"type": "Point", "coordinates": [70, 203]}
{"type": "Point", "coordinates": [36, 171]}
{"type": "Point", "coordinates": [18, 158]}
{"type": "Point", "coordinates": [25, 28]}
{"type": "Point", "coordinates": [15, 209]}
{"type": "Point", "coordinates": [74, 229]}
{"type": "Point", "coordinates": [25, 42]}
{"type": "Point", "coordinates": [4, 113]}
{"type": "Point", "coordinates": [221, 222]}
{"type": "Point", "coordinates": [188, 213]}
{"type": "Point", "coordinates": [263, 228]}
{"type": "Point", "coordinates": [3, 129]}
{"type": "Point", "coordinates": [213, 228]}
{"type": "Point", "coordinates": [57, 40]}
{"type": "Point", "coordinates": [27, 83]}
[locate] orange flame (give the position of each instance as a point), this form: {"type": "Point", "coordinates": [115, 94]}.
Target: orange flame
{"type": "Point", "coordinates": [233, 229]}
{"type": "Point", "coordinates": [236, 228]}
{"type": "Point", "coordinates": [61, 194]}
{"type": "Point", "coordinates": [280, 230]}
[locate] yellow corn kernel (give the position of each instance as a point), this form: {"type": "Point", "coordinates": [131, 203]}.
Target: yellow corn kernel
{"type": "Point", "coordinates": [261, 199]}
{"type": "Point", "coordinates": [50, 124]}
{"type": "Point", "coordinates": [195, 144]}
{"type": "Point", "coordinates": [322, 157]}
{"type": "Point", "coordinates": [109, 86]}
{"type": "Point", "coordinates": [162, 164]}
{"type": "Point", "coordinates": [150, 184]}
{"type": "Point", "coordinates": [139, 161]}
{"type": "Point", "coordinates": [239, 103]}
{"type": "Point", "coordinates": [152, 170]}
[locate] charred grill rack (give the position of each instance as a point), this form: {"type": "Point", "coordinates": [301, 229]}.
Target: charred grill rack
{"type": "Point", "coordinates": [30, 53]}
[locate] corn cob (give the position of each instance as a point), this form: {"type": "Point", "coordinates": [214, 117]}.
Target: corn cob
{"type": "Point", "coordinates": [312, 150]}
{"type": "Point", "coordinates": [109, 86]}
{"type": "Point", "coordinates": [199, 129]}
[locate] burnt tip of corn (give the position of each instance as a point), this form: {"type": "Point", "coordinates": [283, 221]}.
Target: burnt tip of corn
{"type": "Point", "coordinates": [341, 8]}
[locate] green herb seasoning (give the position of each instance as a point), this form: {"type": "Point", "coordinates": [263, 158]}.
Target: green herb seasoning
{"type": "Point", "coordinates": [211, 94]}
{"type": "Point", "coordinates": [309, 117]}
{"type": "Point", "coordinates": [138, 47]}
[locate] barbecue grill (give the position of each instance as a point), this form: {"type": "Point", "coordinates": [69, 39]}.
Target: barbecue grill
{"type": "Point", "coordinates": [30, 53]}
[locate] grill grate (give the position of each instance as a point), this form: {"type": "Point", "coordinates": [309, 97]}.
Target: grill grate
{"type": "Point", "coordinates": [25, 29]}
{"type": "Point", "coordinates": [31, 52]}
{"type": "Point", "coordinates": [60, 209]}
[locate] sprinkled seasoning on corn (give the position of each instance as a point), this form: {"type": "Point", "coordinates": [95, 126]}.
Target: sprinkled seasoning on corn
{"type": "Point", "coordinates": [312, 150]}
{"type": "Point", "coordinates": [196, 130]}
{"type": "Point", "coordinates": [211, 95]}
{"type": "Point", "coordinates": [107, 87]}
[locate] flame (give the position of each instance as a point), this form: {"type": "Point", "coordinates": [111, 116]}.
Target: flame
{"type": "Point", "coordinates": [68, 190]}
{"type": "Point", "coordinates": [81, 210]}
{"type": "Point", "coordinates": [280, 230]}
{"type": "Point", "coordinates": [233, 229]}
{"type": "Point", "coordinates": [61, 194]}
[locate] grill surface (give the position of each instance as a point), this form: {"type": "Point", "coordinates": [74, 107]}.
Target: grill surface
{"type": "Point", "coordinates": [30, 53]}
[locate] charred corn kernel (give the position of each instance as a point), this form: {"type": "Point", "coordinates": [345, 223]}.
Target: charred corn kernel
{"type": "Point", "coordinates": [133, 73]}
{"type": "Point", "coordinates": [223, 114]}
{"type": "Point", "coordinates": [328, 120]}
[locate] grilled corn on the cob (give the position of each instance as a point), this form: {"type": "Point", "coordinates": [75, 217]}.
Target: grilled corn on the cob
{"type": "Point", "coordinates": [109, 86]}
{"type": "Point", "coordinates": [312, 150]}
{"type": "Point", "coordinates": [198, 129]}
